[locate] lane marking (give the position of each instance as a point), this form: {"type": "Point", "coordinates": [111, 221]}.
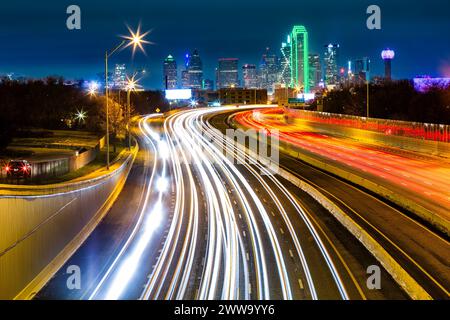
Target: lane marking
{"type": "Point", "coordinates": [291, 253]}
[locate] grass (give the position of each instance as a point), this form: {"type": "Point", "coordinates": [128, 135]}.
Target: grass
{"type": "Point", "coordinates": [59, 138]}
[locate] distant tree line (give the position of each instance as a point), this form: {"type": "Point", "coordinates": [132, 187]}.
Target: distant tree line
{"type": "Point", "coordinates": [47, 104]}
{"type": "Point", "coordinates": [50, 104]}
{"type": "Point", "coordinates": [396, 100]}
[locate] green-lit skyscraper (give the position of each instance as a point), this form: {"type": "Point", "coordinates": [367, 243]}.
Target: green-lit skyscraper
{"type": "Point", "coordinates": [299, 58]}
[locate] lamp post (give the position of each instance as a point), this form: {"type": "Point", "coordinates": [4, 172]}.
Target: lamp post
{"type": "Point", "coordinates": [128, 118]}
{"type": "Point", "coordinates": [135, 39]}
{"type": "Point", "coordinates": [367, 99]}
{"type": "Point", "coordinates": [368, 94]}
{"type": "Point", "coordinates": [92, 89]}
{"type": "Point", "coordinates": [132, 85]}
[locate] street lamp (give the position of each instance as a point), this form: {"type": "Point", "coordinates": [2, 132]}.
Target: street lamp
{"type": "Point", "coordinates": [80, 115]}
{"type": "Point", "coordinates": [193, 103]}
{"type": "Point", "coordinates": [92, 89]}
{"type": "Point", "coordinates": [132, 85]}
{"type": "Point", "coordinates": [135, 39]}
{"type": "Point", "coordinates": [368, 95]}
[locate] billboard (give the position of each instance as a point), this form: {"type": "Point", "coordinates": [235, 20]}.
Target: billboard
{"type": "Point", "coordinates": [306, 96]}
{"type": "Point", "coordinates": [179, 94]}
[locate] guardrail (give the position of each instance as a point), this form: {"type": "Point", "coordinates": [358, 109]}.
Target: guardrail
{"type": "Point", "coordinates": [39, 224]}
{"type": "Point", "coordinates": [376, 131]}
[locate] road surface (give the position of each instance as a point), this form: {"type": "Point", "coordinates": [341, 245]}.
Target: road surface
{"type": "Point", "coordinates": [420, 250]}
{"type": "Point", "coordinates": [192, 224]}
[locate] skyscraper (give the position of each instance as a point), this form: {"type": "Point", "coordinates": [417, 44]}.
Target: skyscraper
{"type": "Point", "coordinates": [285, 63]}
{"type": "Point", "coordinates": [362, 69]}
{"type": "Point", "coordinates": [170, 79]}
{"type": "Point", "coordinates": [250, 76]}
{"type": "Point", "coordinates": [185, 79]}
{"type": "Point", "coordinates": [120, 76]}
{"type": "Point", "coordinates": [331, 64]}
{"type": "Point", "coordinates": [268, 71]}
{"type": "Point", "coordinates": [300, 58]}
{"type": "Point", "coordinates": [194, 67]}
{"type": "Point", "coordinates": [227, 73]}
{"type": "Point", "coordinates": [315, 71]}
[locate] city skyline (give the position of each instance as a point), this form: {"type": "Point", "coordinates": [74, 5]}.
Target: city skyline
{"type": "Point", "coordinates": [343, 23]}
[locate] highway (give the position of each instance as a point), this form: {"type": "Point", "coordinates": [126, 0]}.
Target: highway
{"type": "Point", "coordinates": [291, 226]}
{"type": "Point", "coordinates": [191, 224]}
{"type": "Point", "coordinates": [119, 232]}
{"type": "Point", "coordinates": [422, 251]}
{"type": "Point", "coordinates": [421, 178]}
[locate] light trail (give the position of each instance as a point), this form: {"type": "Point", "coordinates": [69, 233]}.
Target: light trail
{"type": "Point", "coordinates": [240, 245]}
{"type": "Point", "coordinates": [193, 155]}
{"type": "Point", "coordinates": [127, 262]}
{"type": "Point", "coordinates": [427, 179]}
{"type": "Point", "coordinates": [258, 173]}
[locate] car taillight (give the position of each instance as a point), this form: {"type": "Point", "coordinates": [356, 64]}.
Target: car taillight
{"type": "Point", "coordinates": [24, 168]}
{"type": "Point", "coordinates": [7, 168]}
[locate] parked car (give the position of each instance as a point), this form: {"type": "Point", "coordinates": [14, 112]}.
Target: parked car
{"type": "Point", "coordinates": [18, 168]}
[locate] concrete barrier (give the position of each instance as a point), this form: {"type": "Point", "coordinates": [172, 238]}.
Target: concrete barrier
{"type": "Point", "coordinates": [402, 277]}
{"type": "Point", "coordinates": [41, 226]}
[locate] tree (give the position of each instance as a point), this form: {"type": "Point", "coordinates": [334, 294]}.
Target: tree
{"type": "Point", "coordinates": [397, 100]}
{"type": "Point", "coordinates": [117, 120]}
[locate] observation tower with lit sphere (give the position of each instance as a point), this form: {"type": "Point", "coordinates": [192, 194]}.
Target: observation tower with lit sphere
{"type": "Point", "coordinates": [388, 55]}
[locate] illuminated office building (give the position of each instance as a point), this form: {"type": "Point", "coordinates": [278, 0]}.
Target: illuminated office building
{"type": "Point", "coordinates": [285, 63]}
{"type": "Point", "coordinates": [250, 76]}
{"type": "Point", "coordinates": [185, 79]}
{"type": "Point", "coordinates": [331, 64]}
{"type": "Point", "coordinates": [120, 76]}
{"type": "Point", "coordinates": [170, 75]}
{"type": "Point", "coordinates": [194, 68]}
{"type": "Point", "coordinates": [268, 71]}
{"type": "Point", "coordinates": [362, 69]}
{"type": "Point", "coordinates": [315, 71]}
{"type": "Point", "coordinates": [300, 58]}
{"type": "Point", "coordinates": [227, 73]}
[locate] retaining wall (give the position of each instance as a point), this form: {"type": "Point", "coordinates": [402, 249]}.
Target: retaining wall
{"type": "Point", "coordinates": [38, 224]}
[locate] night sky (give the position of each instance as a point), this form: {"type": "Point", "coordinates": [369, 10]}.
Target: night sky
{"type": "Point", "coordinates": [35, 41]}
